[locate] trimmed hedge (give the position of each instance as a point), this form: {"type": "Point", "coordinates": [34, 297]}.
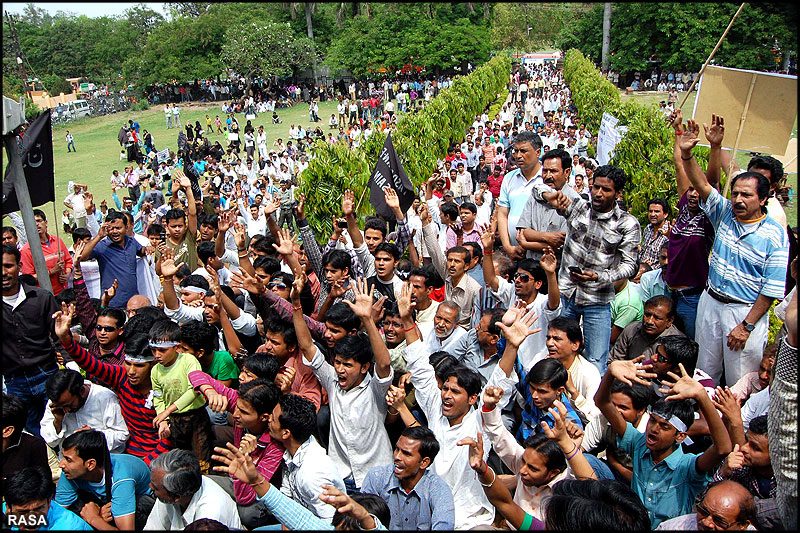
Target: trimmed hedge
{"type": "Point", "coordinates": [422, 137]}
{"type": "Point", "coordinates": [645, 152]}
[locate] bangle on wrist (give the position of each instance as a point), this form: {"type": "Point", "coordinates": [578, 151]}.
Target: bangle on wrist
{"type": "Point", "coordinates": [494, 477]}
{"type": "Point", "coordinates": [396, 412]}
{"type": "Point", "coordinates": [574, 451]}
{"type": "Point", "coordinates": [409, 329]}
{"type": "Point", "coordinates": [263, 480]}
{"type": "Point", "coordinates": [687, 158]}
{"type": "Point", "coordinates": [297, 308]}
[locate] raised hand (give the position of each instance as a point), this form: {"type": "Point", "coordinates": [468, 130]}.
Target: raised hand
{"type": "Point", "coordinates": [487, 237]}
{"type": "Point", "coordinates": [395, 397]}
{"type": "Point", "coordinates": [347, 506]}
{"type": "Point", "coordinates": [514, 312]}
{"type": "Point", "coordinates": [558, 432]}
{"type": "Point", "coordinates": [297, 286]}
{"type": "Point", "coordinates": [235, 463]}
{"type": "Point", "coordinates": [404, 304]}
{"type": "Point", "coordinates": [392, 200]}
{"type": "Point", "coordinates": [682, 387]}
{"type": "Point", "coordinates": [168, 266]}
{"type": "Point", "coordinates": [727, 404]}
{"type": "Point", "coordinates": [424, 214]}
{"type": "Point", "coordinates": [632, 370]}
{"type": "Point", "coordinates": [109, 293]}
{"type": "Point", "coordinates": [690, 136]}
{"type": "Point", "coordinates": [378, 310]}
{"type": "Point", "coordinates": [226, 220]}
{"type": "Point", "coordinates": [272, 206]}
{"type": "Point", "coordinates": [676, 120]}
{"type": "Point", "coordinates": [248, 443]}
{"type": "Point", "coordinates": [491, 397]}
{"type": "Point", "coordinates": [243, 280]}
{"type": "Point", "coordinates": [520, 329]}
{"type": "Point", "coordinates": [286, 242]}
{"type": "Point", "coordinates": [362, 306]}
{"type": "Point", "coordinates": [63, 321]}
{"type": "Point", "coordinates": [240, 234]}
{"type": "Point", "coordinates": [337, 290]}
{"type": "Point", "coordinates": [716, 132]}
{"type": "Point", "coordinates": [299, 210]}
{"type": "Point", "coordinates": [348, 203]}
{"type": "Point", "coordinates": [475, 450]}
{"type": "Point", "coordinates": [734, 461]}
{"type": "Point", "coordinates": [548, 261]}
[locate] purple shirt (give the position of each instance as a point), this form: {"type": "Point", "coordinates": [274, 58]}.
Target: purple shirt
{"type": "Point", "coordinates": [690, 240]}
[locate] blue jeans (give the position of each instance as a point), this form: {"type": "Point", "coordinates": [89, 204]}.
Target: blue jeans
{"type": "Point", "coordinates": [29, 386]}
{"type": "Point", "coordinates": [600, 468]}
{"type": "Point", "coordinates": [596, 329]}
{"type": "Point", "coordinates": [686, 308]}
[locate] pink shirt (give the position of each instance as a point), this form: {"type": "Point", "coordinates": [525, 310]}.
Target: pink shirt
{"type": "Point", "coordinates": [747, 385]}
{"type": "Point", "coordinates": [268, 453]}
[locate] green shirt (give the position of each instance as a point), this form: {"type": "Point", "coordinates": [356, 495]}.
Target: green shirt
{"type": "Point", "coordinates": [627, 306]}
{"type": "Point", "coordinates": [185, 252]}
{"type": "Point", "coordinates": [171, 385]}
{"type": "Point", "coordinates": [222, 367]}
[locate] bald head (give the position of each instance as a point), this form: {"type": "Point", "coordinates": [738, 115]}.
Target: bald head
{"type": "Point", "coordinates": [137, 301]}
{"type": "Point", "coordinates": [727, 501]}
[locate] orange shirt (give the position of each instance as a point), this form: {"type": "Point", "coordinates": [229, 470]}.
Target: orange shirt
{"type": "Point", "coordinates": [51, 250]}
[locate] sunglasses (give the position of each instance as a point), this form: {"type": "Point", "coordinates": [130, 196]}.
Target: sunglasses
{"type": "Point", "coordinates": [524, 278]}
{"type": "Point", "coordinates": [721, 523]}
{"type": "Point", "coordinates": [273, 284]}
{"type": "Point", "coordinates": [108, 329]}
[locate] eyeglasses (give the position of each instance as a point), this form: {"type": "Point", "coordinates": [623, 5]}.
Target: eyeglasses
{"type": "Point", "coordinates": [721, 523]}
{"type": "Point", "coordinates": [273, 284]}
{"type": "Point", "coordinates": [524, 278]}
{"type": "Point", "coordinates": [108, 329]}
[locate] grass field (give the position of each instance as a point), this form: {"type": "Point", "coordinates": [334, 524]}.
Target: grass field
{"type": "Point", "coordinates": [98, 150]}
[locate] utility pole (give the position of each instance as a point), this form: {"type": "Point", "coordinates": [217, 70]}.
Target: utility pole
{"type": "Point", "coordinates": [606, 35]}
{"type": "Point", "coordinates": [12, 30]}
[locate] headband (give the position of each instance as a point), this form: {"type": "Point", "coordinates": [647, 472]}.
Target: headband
{"type": "Point", "coordinates": [163, 344]}
{"type": "Point", "coordinates": [672, 419]}
{"type": "Point", "coordinates": [139, 357]}
{"type": "Point", "coordinates": [192, 288]}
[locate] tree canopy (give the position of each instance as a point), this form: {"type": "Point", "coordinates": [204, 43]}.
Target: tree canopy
{"type": "Point", "coordinates": [143, 47]}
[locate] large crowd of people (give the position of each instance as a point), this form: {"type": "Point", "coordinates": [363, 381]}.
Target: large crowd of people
{"type": "Point", "coordinates": [512, 351]}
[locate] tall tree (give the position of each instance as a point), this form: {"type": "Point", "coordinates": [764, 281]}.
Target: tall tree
{"type": "Point", "coordinates": [606, 33]}
{"type": "Point", "coordinates": [264, 49]}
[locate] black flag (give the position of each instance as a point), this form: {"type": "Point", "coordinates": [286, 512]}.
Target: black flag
{"type": "Point", "coordinates": [37, 163]}
{"type": "Point", "coordinates": [389, 172]}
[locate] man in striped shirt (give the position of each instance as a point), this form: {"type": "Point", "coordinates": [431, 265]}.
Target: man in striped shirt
{"type": "Point", "coordinates": [747, 270]}
{"type": "Point", "coordinates": [131, 383]}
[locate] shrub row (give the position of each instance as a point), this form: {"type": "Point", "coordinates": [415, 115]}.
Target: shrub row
{"type": "Point", "coordinates": [645, 152]}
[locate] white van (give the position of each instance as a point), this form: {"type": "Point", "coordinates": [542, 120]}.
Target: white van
{"type": "Point", "coordinates": [78, 109]}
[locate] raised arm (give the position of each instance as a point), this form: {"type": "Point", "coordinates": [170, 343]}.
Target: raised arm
{"type": "Point", "coordinates": [696, 176]}
{"type": "Point", "coordinates": [285, 247]}
{"type": "Point", "coordinates": [304, 339]}
{"type": "Point", "coordinates": [168, 270]}
{"type": "Point", "coordinates": [684, 387]}
{"type": "Point", "coordinates": [549, 264]}
{"type": "Point", "coordinates": [87, 250]}
{"type": "Point", "coordinates": [682, 180]}
{"type": "Point", "coordinates": [487, 240]}
{"type": "Point", "coordinates": [429, 235]}
{"type": "Point", "coordinates": [348, 209]}
{"type": "Point", "coordinates": [714, 135]}
{"type": "Point", "coordinates": [363, 310]}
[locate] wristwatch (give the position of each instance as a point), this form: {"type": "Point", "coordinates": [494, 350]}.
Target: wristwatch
{"type": "Point", "coordinates": [748, 327]}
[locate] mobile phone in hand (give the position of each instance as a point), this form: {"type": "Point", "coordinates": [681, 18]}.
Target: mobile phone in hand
{"type": "Point", "coordinates": [342, 224]}
{"type": "Point", "coordinates": [575, 269]}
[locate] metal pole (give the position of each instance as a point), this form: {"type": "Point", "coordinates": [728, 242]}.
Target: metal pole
{"type": "Point", "coordinates": [739, 134]}
{"type": "Point", "coordinates": [17, 176]}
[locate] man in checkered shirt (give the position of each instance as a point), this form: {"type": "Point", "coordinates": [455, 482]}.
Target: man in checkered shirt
{"type": "Point", "coordinates": [603, 243]}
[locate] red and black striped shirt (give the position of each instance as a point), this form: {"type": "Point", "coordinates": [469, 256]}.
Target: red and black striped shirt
{"type": "Point", "coordinates": [143, 441]}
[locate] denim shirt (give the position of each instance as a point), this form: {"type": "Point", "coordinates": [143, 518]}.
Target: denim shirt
{"type": "Point", "coordinates": [667, 489]}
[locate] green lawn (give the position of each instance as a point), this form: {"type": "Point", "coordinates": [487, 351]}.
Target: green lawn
{"type": "Point", "coordinates": [98, 148]}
